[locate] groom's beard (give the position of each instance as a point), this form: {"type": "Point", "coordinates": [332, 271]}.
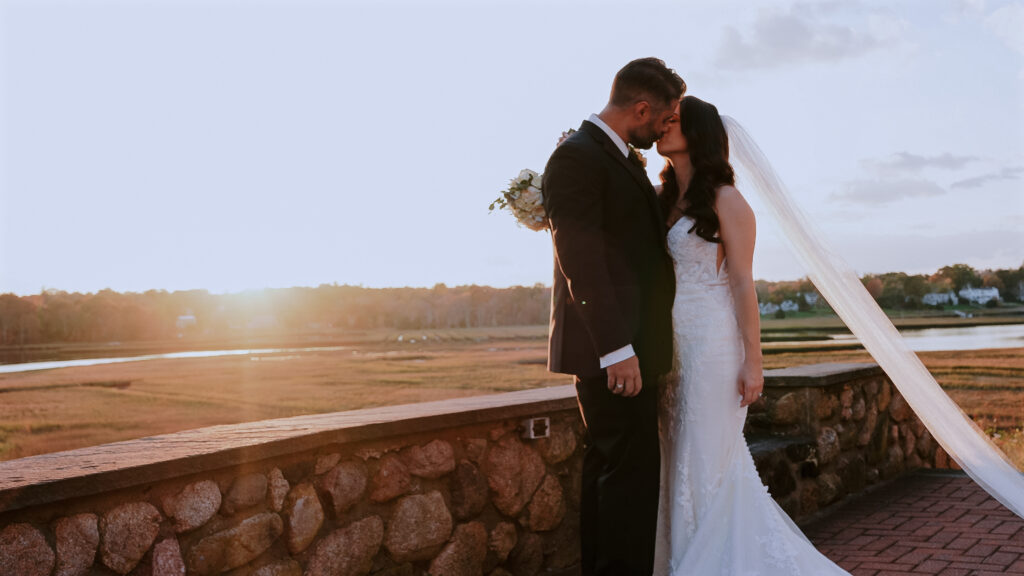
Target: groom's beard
{"type": "Point", "coordinates": [645, 137]}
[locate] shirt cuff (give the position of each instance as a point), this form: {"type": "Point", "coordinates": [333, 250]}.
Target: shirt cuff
{"type": "Point", "coordinates": [617, 356]}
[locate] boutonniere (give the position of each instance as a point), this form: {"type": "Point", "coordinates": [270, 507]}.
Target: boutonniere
{"type": "Point", "coordinates": [636, 156]}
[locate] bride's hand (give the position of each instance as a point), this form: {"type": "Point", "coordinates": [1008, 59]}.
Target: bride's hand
{"type": "Point", "coordinates": [751, 383]}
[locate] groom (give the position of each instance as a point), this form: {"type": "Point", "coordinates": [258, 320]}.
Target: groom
{"type": "Point", "coordinates": [611, 311]}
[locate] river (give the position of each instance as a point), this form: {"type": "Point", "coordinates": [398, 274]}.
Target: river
{"type": "Point", "coordinates": [922, 340]}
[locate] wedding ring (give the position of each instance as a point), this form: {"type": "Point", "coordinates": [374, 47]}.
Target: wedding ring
{"type": "Point", "coordinates": [619, 386]}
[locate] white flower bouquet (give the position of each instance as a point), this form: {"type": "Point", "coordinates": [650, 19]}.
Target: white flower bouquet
{"type": "Point", "coordinates": [523, 198]}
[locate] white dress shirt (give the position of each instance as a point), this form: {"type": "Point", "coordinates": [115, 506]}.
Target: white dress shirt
{"type": "Point", "coordinates": [615, 356]}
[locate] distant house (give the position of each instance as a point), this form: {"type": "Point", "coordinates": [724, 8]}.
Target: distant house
{"type": "Point", "coordinates": [937, 298]}
{"type": "Point", "coordinates": [789, 306]}
{"type": "Point", "coordinates": [811, 298]}
{"type": "Point", "coordinates": [979, 295]}
{"type": "Point", "coordinates": [767, 308]}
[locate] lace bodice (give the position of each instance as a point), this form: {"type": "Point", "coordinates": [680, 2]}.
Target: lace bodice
{"type": "Point", "coordinates": [696, 259]}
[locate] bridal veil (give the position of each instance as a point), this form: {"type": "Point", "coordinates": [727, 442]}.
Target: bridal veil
{"type": "Point", "coordinates": [962, 439]}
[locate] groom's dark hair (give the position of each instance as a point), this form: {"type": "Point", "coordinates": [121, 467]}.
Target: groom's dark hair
{"type": "Point", "coordinates": [647, 79]}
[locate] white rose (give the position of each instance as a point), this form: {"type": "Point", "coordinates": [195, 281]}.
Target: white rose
{"type": "Point", "coordinates": [525, 175]}
{"type": "Point", "coordinates": [535, 180]}
{"type": "Point", "coordinates": [531, 196]}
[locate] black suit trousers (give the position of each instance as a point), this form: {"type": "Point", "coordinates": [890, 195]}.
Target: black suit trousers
{"type": "Point", "coordinates": [621, 478]}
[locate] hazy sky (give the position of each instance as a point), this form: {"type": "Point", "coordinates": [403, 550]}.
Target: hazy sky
{"type": "Point", "coordinates": [229, 145]}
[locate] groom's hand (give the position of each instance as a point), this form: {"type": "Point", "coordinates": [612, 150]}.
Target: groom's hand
{"type": "Point", "coordinates": [626, 373]}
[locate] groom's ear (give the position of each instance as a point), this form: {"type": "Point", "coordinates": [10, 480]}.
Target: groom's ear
{"type": "Point", "coordinates": [642, 110]}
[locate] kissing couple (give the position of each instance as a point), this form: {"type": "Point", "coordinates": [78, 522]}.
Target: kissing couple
{"type": "Point", "coordinates": [654, 314]}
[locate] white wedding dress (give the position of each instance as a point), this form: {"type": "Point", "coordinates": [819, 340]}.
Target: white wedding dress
{"type": "Point", "coordinates": [715, 516]}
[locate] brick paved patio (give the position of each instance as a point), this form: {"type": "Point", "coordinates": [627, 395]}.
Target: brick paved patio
{"type": "Point", "coordinates": [930, 522]}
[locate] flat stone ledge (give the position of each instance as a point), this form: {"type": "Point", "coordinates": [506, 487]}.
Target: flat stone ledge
{"type": "Point", "coordinates": [47, 478]}
{"type": "Point", "coordinates": [817, 375]}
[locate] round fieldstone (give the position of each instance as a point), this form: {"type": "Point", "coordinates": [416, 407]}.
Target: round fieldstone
{"type": "Point", "coordinates": [847, 435]}
{"type": "Point", "coordinates": [899, 410]}
{"type": "Point", "coordinates": [464, 555]}
{"type": "Point", "coordinates": [278, 489]}
{"type": "Point", "coordinates": [228, 549]}
{"type": "Point", "coordinates": [24, 551]}
{"type": "Point", "coordinates": [245, 492]}
{"type": "Point", "coordinates": [830, 487]}
{"type": "Point", "coordinates": [884, 395]}
{"type": "Point", "coordinates": [909, 440]}
{"type": "Point", "coordinates": [348, 551]}
{"type": "Point", "coordinates": [419, 526]}
{"type": "Point", "coordinates": [194, 506]}
{"type": "Point", "coordinates": [547, 507]}
{"type": "Point", "coordinates": [788, 409]}
{"type": "Point", "coordinates": [859, 409]}
{"type": "Point", "coordinates": [78, 538]}
{"type": "Point", "coordinates": [304, 517]}
{"type": "Point", "coordinates": [468, 490]}
{"type": "Point", "coordinates": [809, 496]}
{"type": "Point", "coordinates": [826, 406]}
{"type": "Point", "coordinates": [559, 445]}
{"type": "Point", "coordinates": [846, 397]}
{"type": "Point", "coordinates": [391, 480]}
{"type": "Point", "coordinates": [867, 428]}
{"type": "Point", "coordinates": [167, 559]}
{"type": "Point", "coordinates": [828, 445]}
{"type": "Point", "coordinates": [475, 448]}
{"type": "Point", "coordinates": [527, 557]}
{"type": "Point", "coordinates": [126, 534]}
{"type": "Point", "coordinates": [325, 463]}
{"type": "Point", "coordinates": [514, 471]}
{"type": "Point", "coordinates": [431, 461]}
{"type": "Point", "coordinates": [345, 485]}
{"type": "Point", "coordinates": [502, 540]}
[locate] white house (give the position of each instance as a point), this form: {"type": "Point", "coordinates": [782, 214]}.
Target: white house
{"type": "Point", "coordinates": [767, 308]}
{"type": "Point", "coordinates": [979, 295]}
{"type": "Point", "coordinates": [790, 306]}
{"type": "Point", "coordinates": [936, 298]}
{"type": "Point", "coordinates": [811, 298]}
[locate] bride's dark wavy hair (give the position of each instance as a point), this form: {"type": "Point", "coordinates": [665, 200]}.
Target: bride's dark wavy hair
{"type": "Point", "coordinates": [708, 146]}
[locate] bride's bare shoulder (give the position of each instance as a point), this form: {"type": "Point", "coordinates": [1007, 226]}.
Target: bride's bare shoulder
{"type": "Point", "coordinates": [729, 200]}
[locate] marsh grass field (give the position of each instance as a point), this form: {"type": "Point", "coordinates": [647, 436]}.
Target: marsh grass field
{"type": "Point", "coordinates": [61, 409]}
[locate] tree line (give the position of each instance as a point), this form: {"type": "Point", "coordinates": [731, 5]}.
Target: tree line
{"type": "Point", "coordinates": [55, 316]}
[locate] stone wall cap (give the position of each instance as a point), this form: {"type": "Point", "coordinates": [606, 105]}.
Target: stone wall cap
{"type": "Point", "coordinates": [821, 374]}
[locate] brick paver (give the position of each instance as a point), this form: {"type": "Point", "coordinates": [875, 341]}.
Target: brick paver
{"type": "Point", "coordinates": [931, 522]}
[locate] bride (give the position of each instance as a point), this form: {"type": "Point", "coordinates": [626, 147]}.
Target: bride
{"type": "Point", "coordinates": [715, 516]}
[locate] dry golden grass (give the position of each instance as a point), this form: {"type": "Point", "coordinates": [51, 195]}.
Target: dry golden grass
{"type": "Point", "coordinates": [52, 410]}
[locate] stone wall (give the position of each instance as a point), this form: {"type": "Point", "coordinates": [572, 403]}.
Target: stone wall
{"type": "Point", "coordinates": [826, 431]}
{"type": "Point", "coordinates": [445, 488]}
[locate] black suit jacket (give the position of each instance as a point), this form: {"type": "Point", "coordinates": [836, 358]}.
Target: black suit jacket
{"type": "Point", "coordinates": [614, 282]}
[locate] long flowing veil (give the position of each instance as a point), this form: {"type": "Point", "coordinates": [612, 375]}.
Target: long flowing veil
{"type": "Point", "coordinates": [962, 439]}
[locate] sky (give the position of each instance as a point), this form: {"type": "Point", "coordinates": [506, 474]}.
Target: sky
{"type": "Point", "coordinates": [228, 145]}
